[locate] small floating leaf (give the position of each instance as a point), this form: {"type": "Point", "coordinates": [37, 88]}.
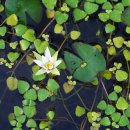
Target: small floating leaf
{"type": "Point", "coordinates": [12, 83]}
{"type": "Point", "coordinates": [12, 20]}
{"type": "Point", "coordinates": [122, 104]}
{"type": "Point", "coordinates": [102, 105]}
{"type": "Point", "coordinates": [23, 86]}
{"type": "Point", "coordinates": [80, 111]}
{"type": "Point", "coordinates": [3, 30]}
{"type": "Point", "coordinates": [13, 56]}
{"type": "Point", "coordinates": [31, 123]}
{"type": "Point", "coordinates": [72, 3]}
{"type": "Point", "coordinates": [105, 121]}
{"type": "Point", "coordinates": [74, 35]}
{"type": "Point", "coordinates": [124, 121]}
{"type": "Point", "coordinates": [2, 44]}
{"type": "Point", "coordinates": [118, 41]}
{"type": "Point", "coordinates": [116, 116]}
{"type": "Point", "coordinates": [49, 4]}
{"type": "Point", "coordinates": [121, 75]}
{"type": "Point", "coordinates": [113, 96]}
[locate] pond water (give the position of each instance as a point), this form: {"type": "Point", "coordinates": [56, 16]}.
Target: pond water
{"type": "Point", "coordinates": [10, 99]}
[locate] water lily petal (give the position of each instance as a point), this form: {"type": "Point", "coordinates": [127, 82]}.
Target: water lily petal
{"type": "Point", "coordinates": [47, 53]}
{"type": "Point", "coordinates": [44, 59]}
{"type": "Point", "coordinates": [39, 63]}
{"type": "Point", "coordinates": [55, 72]}
{"type": "Point", "coordinates": [57, 63]}
{"type": "Point", "coordinates": [41, 71]}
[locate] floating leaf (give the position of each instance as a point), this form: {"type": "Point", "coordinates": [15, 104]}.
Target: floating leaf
{"type": "Point", "coordinates": [79, 14]}
{"type": "Point", "coordinates": [67, 88]}
{"type": "Point", "coordinates": [103, 16]}
{"type": "Point", "coordinates": [50, 115]}
{"type": "Point", "coordinates": [90, 8]}
{"type": "Point", "coordinates": [49, 4]}
{"type": "Point", "coordinates": [107, 74]}
{"type": "Point", "coordinates": [118, 42]}
{"type": "Point", "coordinates": [124, 121]}
{"type": "Point", "coordinates": [24, 44]}
{"type": "Point", "coordinates": [13, 56]}
{"type": "Point", "coordinates": [116, 116]}
{"type": "Point", "coordinates": [128, 30]}
{"type": "Point", "coordinates": [109, 28]}
{"type": "Point", "coordinates": [83, 68]}
{"type": "Point", "coordinates": [21, 119]}
{"type": "Point", "coordinates": [12, 20]}
{"type": "Point", "coordinates": [72, 3]}
{"type": "Point", "coordinates": [61, 17]}
{"type": "Point", "coordinates": [20, 29]}
{"type": "Point", "coordinates": [105, 121]}
{"type": "Point", "coordinates": [31, 123]}
{"type": "Point", "coordinates": [126, 54]}
{"type": "Point", "coordinates": [122, 104]}
{"type": "Point", "coordinates": [18, 111]}
{"type": "Point", "coordinates": [121, 75]}
{"type": "Point", "coordinates": [112, 50]}
{"type": "Point", "coordinates": [40, 45]}
{"type": "Point", "coordinates": [126, 16]}
{"type": "Point", "coordinates": [23, 86]}
{"type": "Point", "coordinates": [2, 44]}
{"type": "Point", "coordinates": [12, 83]}
{"type": "Point", "coordinates": [43, 125]}
{"type": "Point", "coordinates": [29, 111]}
{"type": "Point", "coordinates": [115, 16]}
{"type": "Point", "coordinates": [102, 105]}
{"type": "Point", "coordinates": [50, 13]}
{"type": "Point", "coordinates": [109, 110]}
{"type": "Point", "coordinates": [1, 8]}
{"type": "Point", "coordinates": [117, 88]}
{"type": "Point", "coordinates": [100, 1]}
{"type": "Point", "coordinates": [43, 94]}
{"type": "Point", "coordinates": [113, 96]}
{"type": "Point", "coordinates": [119, 6]}
{"type": "Point", "coordinates": [29, 35]}
{"type": "Point", "coordinates": [58, 29]}
{"type": "Point", "coordinates": [75, 35]}
{"type": "Point", "coordinates": [127, 112]}
{"type": "Point", "coordinates": [107, 6]}
{"type": "Point", "coordinates": [38, 77]}
{"type": "Point", "coordinates": [30, 94]}
{"type": "Point", "coordinates": [3, 30]}
{"type": "Point", "coordinates": [52, 86]}
{"type": "Point", "coordinates": [126, 2]}
{"type": "Point", "coordinates": [21, 8]}
{"type": "Point", "coordinates": [80, 111]}
{"type": "Point", "coordinates": [28, 102]}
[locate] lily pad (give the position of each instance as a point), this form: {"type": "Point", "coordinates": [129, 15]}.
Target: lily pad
{"type": "Point", "coordinates": [20, 7]}
{"type": "Point", "coordinates": [82, 67]}
{"type": "Point", "coordinates": [126, 16]}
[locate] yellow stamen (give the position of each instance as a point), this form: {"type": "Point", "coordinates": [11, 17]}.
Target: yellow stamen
{"type": "Point", "coordinates": [49, 65]}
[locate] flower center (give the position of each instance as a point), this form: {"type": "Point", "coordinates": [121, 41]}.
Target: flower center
{"type": "Point", "coordinates": [49, 65]}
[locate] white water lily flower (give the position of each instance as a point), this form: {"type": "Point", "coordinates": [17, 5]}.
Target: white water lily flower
{"type": "Point", "coordinates": [47, 63]}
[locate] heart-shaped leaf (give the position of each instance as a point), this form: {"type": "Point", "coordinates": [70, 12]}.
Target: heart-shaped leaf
{"type": "Point", "coordinates": [61, 17]}
{"type": "Point", "coordinates": [2, 44]}
{"type": "Point", "coordinates": [72, 3]}
{"type": "Point", "coordinates": [13, 56]}
{"type": "Point", "coordinates": [90, 8]}
{"type": "Point", "coordinates": [49, 4]}
{"type": "Point", "coordinates": [21, 7]}
{"type": "Point", "coordinates": [79, 14]}
{"type": "Point", "coordinates": [24, 44]}
{"type": "Point", "coordinates": [40, 45]}
{"type": "Point", "coordinates": [83, 67]}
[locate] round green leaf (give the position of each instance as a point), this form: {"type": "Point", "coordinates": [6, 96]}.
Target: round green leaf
{"type": "Point", "coordinates": [124, 121]}
{"type": "Point", "coordinates": [121, 75]}
{"type": "Point", "coordinates": [105, 121]}
{"type": "Point", "coordinates": [80, 111]}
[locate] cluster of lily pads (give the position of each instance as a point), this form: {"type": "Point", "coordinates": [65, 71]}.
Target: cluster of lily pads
{"type": "Point", "coordinates": [86, 64]}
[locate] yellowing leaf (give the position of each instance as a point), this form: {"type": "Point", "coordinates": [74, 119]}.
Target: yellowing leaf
{"type": "Point", "coordinates": [12, 20]}
{"type": "Point", "coordinates": [50, 13]}
{"type": "Point", "coordinates": [74, 35]}
{"type": "Point", "coordinates": [111, 50]}
{"type": "Point", "coordinates": [98, 47]}
{"type": "Point", "coordinates": [126, 55]}
{"type": "Point", "coordinates": [67, 88]}
{"type": "Point", "coordinates": [121, 75]}
{"type": "Point", "coordinates": [12, 83]}
{"type": "Point", "coordinates": [58, 28]}
{"type": "Point", "coordinates": [118, 42]}
{"type": "Point", "coordinates": [80, 111]}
